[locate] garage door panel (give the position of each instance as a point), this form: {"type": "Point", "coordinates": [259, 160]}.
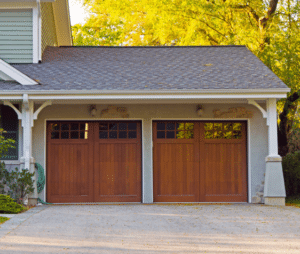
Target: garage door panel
{"type": "Point", "coordinates": [118, 163]}
{"type": "Point", "coordinates": [175, 165]}
{"type": "Point", "coordinates": [70, 173]}
{"type": "Point", "coordinates": [223, 166]}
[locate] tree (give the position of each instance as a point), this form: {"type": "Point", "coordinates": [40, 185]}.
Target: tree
{"type": "Point", "coordinates": [270, 29]}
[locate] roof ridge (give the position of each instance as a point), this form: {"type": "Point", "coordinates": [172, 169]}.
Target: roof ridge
{"type": "Point", "coordinates": [203, 46]}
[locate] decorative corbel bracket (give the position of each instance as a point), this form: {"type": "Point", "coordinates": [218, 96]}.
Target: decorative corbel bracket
{"type": "Point", "coordinates": [264, 112]}
{"type": "Point", "coordinates": [8, 103]}
{"type": "Point", "coordinates": [45, 104]}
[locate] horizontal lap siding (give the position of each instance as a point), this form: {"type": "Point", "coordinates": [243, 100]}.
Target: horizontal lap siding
{"type": "Point", "coordinates": [16, 36]}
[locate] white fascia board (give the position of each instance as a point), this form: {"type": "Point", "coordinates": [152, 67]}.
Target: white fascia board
{"type": "Point", "coordinates": [280, 92]}
{"type": "Point", "coordinates": [15, 74]}
{"type": "Point", "coordinates": [150, 97]}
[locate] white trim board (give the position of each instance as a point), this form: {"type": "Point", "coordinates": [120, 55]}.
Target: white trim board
{"type": "Point", "coordinates": [15, 74]}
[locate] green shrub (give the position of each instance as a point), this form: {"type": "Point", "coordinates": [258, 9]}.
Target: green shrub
{"type": "Point", "coordinates": [291, 171]}
{"type": "Point", "coordinates": [8, 205]}
{"type": "Point", "coordinates": [20, 184]}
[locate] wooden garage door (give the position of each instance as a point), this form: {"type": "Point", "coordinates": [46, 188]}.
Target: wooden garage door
{"type": "Point", "coordinates": [200, 162]}
{"type": "Point", "coordinates": [93, 162]}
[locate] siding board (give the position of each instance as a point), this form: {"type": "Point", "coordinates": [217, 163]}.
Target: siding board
{"type": "Point", "coordinates": [16, 36]}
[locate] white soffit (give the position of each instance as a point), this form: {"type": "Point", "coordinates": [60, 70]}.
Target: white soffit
{"type": "Point", "coordinates": [9, 73]}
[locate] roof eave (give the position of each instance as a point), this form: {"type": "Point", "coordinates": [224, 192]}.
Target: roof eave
{"type": "Point", "coordinates": [151, 94]}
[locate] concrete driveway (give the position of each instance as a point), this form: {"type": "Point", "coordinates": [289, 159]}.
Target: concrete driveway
{"type": "Point", "coordinates": [237, 228]}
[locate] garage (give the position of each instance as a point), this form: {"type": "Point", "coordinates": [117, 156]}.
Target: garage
{"type": "Point", "coordinates": [93, 161]}
{"type": "Point", "coordinates": [200, 161]}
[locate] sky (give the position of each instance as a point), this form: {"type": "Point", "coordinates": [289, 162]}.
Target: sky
{"type": "Point", "coordinates": [77, 12]}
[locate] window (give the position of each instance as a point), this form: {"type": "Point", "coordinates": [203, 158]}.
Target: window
{"type": "Point", "coordinates": [10, 123]}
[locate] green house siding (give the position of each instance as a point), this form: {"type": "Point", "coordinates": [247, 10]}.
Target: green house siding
{"type": "Point", "coordinates": [16, 36]}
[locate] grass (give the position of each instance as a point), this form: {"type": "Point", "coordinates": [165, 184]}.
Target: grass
{"type": "Point", "coordinates": [293, 201]}
{"type": "Point", "coordinates": [3, 219]}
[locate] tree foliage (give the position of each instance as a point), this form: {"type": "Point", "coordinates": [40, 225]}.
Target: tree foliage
{"type": "Point", "coordinates": [269, 28]}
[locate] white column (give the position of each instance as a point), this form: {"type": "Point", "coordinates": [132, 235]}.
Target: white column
{"type": "Point", "coordinates": [27, 124]}
{"type": "Point", "coordinates": [274, 190]}
{"type": "Point", "coordinates": [272, 120]}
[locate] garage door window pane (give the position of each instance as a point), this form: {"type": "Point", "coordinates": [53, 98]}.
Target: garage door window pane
{"type": "Point", "coordinates": [113, 126]}
{"type": "Point", "coordinates": [65, 127]}
{"type": "Point", "coordinates": [170, 134]}
{"type": "Point", "coordinates": [113, 134]}
{"type": "Point", "coordinates": [160, 126]}
{"type": "Point", "coordinates": [160, 134]}
{"type": "Point", "coordinates": [122, 126]}
{"type": "Point", "coordinates": [122, 134]}
{"type": "Point", "coordinates": [55, 127]}
{"type": "Point", "coordinates": [74, 135]}
{"type": "Point", "coordinates": [170, 126]}
{"type": "Point", "coordinates": [65, 135]}
{"type": "Point", "coordinates": [132, 134]}
{"type": "Point", "coordinates": [54, 135]}
{"type": "Point", "coordinates": [103, 135]}
{"type": "Point", "coordinates": [131, 126]}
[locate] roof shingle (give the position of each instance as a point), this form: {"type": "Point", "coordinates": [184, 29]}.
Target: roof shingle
{"type": "Point", "coordinates": [147, 68]}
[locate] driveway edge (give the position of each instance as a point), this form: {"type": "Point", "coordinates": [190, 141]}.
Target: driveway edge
{"type": "Point", "coordinates": [18, 219]}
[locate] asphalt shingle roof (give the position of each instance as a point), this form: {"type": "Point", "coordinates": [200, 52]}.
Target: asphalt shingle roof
{"type": "Point", "coordinates": [147, 68]}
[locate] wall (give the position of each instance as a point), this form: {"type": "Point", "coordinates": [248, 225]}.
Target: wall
{"type": "Point", "coordinates": [16, 37]}
{"type": "Point", "coordinates": [48, 26]}
{"type": "Point", "coordinates": [257, 132]}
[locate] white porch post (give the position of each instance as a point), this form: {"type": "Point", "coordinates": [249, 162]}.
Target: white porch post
{"type": "Point", "coordinates": [274, 191]}
{"type": "Point", "coordinates": [27, 159]}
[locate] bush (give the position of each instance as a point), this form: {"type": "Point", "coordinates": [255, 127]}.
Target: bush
{"type": "Point", "coordinates": [8, 205]}
{"type": "Point", "coordinates": [291, 171]}
{"type": "Point", "coordinates": [20, 184]}
{"type": "Point", "coordinates": [17, 183]}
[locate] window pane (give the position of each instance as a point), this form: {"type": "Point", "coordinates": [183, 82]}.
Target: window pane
{"type": "Point", "coordinates": [189, 135]}
{"type": "Point", "coordinates": [74, 135]}
{"type": "Point", "coordinates": [113, 126]}
{"type": "Point", "coordinates": [65, 127]}
{"type": "Point", "coordinates": [82, 126]}
{"type": "Point", "coordinates": [122, 134]}
{"type": "Point", "coordinates": [160, 134]}
{"type": "Point", "coordinates": [132, 134]}
{"type": "Point", "coordinates": [74, 126]}
{"type": "Point", "coordinates": [189, 126]}
{"type": "Point", "coordinates": [103, 127]}
{"type": "Point", "coordinates": [113, 134]}
{"type": "Point", "coordinates": [237, 126]}
{"type": "Point", "coordinates": [227, 126]}
{"type": "Point", "coordinates": [103, 135]}
{"type": "Point", "coordinates": [122, 126]}
{"type": "Point", "coordinates": [131, 126]}
{"type": "Point", "coordinates": [9, 119]}
{"type": "Point", "coordinates": [65, 135]}
{"type": "Point", "coordinates": [208, 126]}
{"type": "Point", "coordinates": [218, 126]}
{"type": "Point", "coordinates": [55, 135]}
{"type": "Point", "coordinates": [160, 126]}
{"type": "Point", "coordinates": [171, 134]}
{"type": "Point", "coordinates": [55, 127]}
{"type": "Point", "coordinates": [180, 126]}
{"type": "Point", "coordinates": [10, 123]}
{"type": "Point", "coordinates": [170, 126]}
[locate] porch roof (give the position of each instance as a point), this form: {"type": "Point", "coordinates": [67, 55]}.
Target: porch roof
{"type": "Point", "coordinates": [146, 68]}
